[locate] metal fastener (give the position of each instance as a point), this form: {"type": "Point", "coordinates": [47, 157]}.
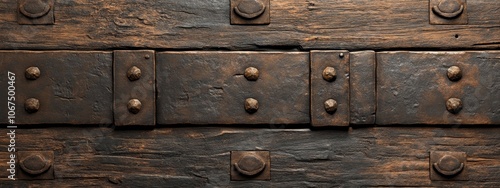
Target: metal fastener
{"type": "Point", "coordinates": [32, 105]}
{"type": "Point", "coordinates": [34, 8]}
{"type": "Point", "coordinates": [341, 55]}
{"type": "Point", "coordinates": [250, 165]}
{"type": "Point", "coordinates": [250, 9]}
{"type": "Point", "coordinates": [134, 73]}
{"type": "Point", "coordinates": [147, 56]}
{"type": "Point", "coordinates": [32, 73]}
{"type": "Point", "coordinates": [35, 164]}
{"type": "Point", "coordinates": [329, 74]}
{"type": "Point", "coordinates": [454, 105]}
{"type": "Point", "coordinates": [454, 73]}
{"type": "Point", "coordinates": [448, 165]}
{"type": "Point", "coordinates": [251, 105]}
{"type": "Point", "coordinates": [251, 73]}
{"type": "Point", "coordinates": [134, 106]}
{"type": "Point", "coordinates": [331, 106]}
{"type": "Point", "coordinates": [448, 8]}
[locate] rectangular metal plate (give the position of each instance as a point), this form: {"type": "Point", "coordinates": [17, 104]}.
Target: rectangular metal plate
{"type": "Point", "coordinates": [142, 89]}
{"type": "Point", "coordinates": [362, 101]}
{"type": "Point", "coordinates": [460, 19]}
{"type": "Point", "coordinates": [322, 90]}
{"type": "Point", "coordinates": [210, 87]}
{"type": "Point", "coordinates": [73, 87]}
{"type": "Point", "coordinates": [413, 87]}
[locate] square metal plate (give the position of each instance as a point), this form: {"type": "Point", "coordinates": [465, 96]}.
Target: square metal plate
{"type": "Point", "coordinates": [436, 6]}
{"type": "Point", "coordinates": [240, 8]}
{"type": "Point", "coordinates": [243, 160]}
{"type": "Point", "coordinates": [435, 156]}
{"type": "Point", "coordinates": [42, 160]}
{"type": "Point", "coordinates": [27, 16]}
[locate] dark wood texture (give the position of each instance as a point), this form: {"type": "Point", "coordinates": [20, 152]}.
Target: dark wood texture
{"type": "Point", "coordinates": [200, 157]}
{"type": "Point", "coordinates": [194, 24]}
{"type": "Point", "coordinates": [210, 87]}
{"type": "Point", "coordinates": [362, 85]}
{"type": "Point", "coordinates": [322, 90]}
{"type": "Point", "coordinates": [413, 87]}
{"type": "Point", "coordinates": [73, 87]}
{"type": "Point", "coordinates": [142, 89]}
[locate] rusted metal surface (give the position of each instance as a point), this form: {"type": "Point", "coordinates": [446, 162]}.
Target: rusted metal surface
{"type": "Point", "coordinates": [35, 12]}
{"type": "Point", "coordinates": [448, 12]}
{"type": "Point", "coordinates": [134, 88]}
{"type": "Point", "coordinates": [329, 88]}
{"type": "Point", "coordinates": [210, 87]}
{"type": "Point", "coordinates": [448, 165]}
{"type": "Point", "coordinates": [250, 165]}
{"type": "Point", "coordinates": [35, 165]}
{"type": "Point", "coordinates": [362, 95]}
{"type": "Point", "coordinates": [250, 12]}
{"type": "Point", "coordinates": [413, 88]}
{"type": "Point", "coordinates": [70, 87]}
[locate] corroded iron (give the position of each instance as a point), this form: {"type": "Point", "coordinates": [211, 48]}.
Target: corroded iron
{"type": "Point", "coordinates": [134, 106]}
{"type": "Point", "coordinates": [446, 165]}
{"type": "Point", "coordinates": [134, 73]}
{"type": "Point", "coordinates": [454, 105]}
{"type": "Point", "coordinates": [250, 12]}
{"type": "Point", "coordinates": [329, 74]}
{"type": "Point", "coordinates": [251, 73]}
{"type": "Point", "coordinates": [35, 12]}
{"type": "Point", "coordinates": [35, 165]}
{"type": "Point", "coordinates": [251, 105]}
{"type": "Point", "coordinates": [448, 12]}
{"type": "Point", "coordinates": [250, 165]}
{"type": "Point", "coordinates": [331, 106]}
{"type": "Point", "coordinates": [32, 73]}
{"type": "Point", "coordinates": [454, 73]}
{"type": "Point", "coordinates": [32, 105]}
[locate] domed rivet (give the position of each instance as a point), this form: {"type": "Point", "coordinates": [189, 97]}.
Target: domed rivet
{"type": "Point", "coordinates": [34, 8]}
{"type": "Point", "coordinates": [331, 106]}
{"type": "Point", "coordinates": [251, 73]}
{"type": "Point", "coordinates": [134, 73]}
{"type": "Point", "coordinates": [448, 9]}
{"type": "Point", "coordinates": [250, 165]}
{"type": "Point", "coordinates": [454, 73]}
{"type": "Point", "coordinates": [32, 73]}
{"type": "Point", "coordinates": [32, 105]}
{"type": "Point", "coordinates": [134, 106]}
{"type": "Point", "coordinates": [329, 74]}
{"type": "Point", "coordinates": [454, 105]}
{"type": "Point", "coordinates": [251, 105]}
{"type": "Point", "coordinates": [35, 164]}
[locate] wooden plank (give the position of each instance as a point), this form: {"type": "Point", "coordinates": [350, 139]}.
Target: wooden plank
{"type": "Point", "coordinates": [200, 157]}
{"type": "Point", "coordinates": [413, 87]}
{"type": "Point", "coordinates": [362, 85]}
{"type": "Point", "coordinates": [295, 24]}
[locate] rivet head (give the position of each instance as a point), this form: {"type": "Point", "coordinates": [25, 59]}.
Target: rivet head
{"type": "Point", "coordinates": [252, 73]}
{"type": "Point", "coordinates": [449, 6]}
{"type": "Point", "coordinates": [250, 8]}
{"type": "Point", "coordinates": [331, 106]}
{"type": "Point", "coordinates": [250, 165]}
{"type": "Point", "coordinates": [35, 164]}
{"type": "Point", "coordinates": [454, 105]}
{"type": "Point", "coordinates": [251, 105]}
{"type": "Point", "coordinates": [34, 8]}
{"type": "Point", "coordinates": [341, 55]}
{"type": "Point", "coordinates": [134, 73]}
{"type": "Point", "coordinates": [448, 165]}
{"type": "Point", "coordinates": [31, 105]}
{"type": "Point", "coordinates": [329, 74]}
{"type": "Point", "coordinates": [32, 73]}
{"type": "Point", "coordinates": [454, 73]}
{"type": "Point", "coordinates": [134, 106]}
{"type": "Point", "coordinates": [147, 56]}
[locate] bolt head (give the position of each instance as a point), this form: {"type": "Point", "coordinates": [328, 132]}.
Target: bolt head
{"type": "Point", "coordinates": [134, 73]}
{"type": "Point", "coordinates": [251, 73]}
{"type": "Point", "coordinates": [250, 165]}
{"type": "Point", "coordinates": [331, 106]}
{"type": "Point", "coordinates": [449, 163]}
{"type": "Point", "coordinates": [329, 74]}
{"type": "Point", "coordinates": [449, 6]}
{"type": "Point", "coordinates": [32, 105]}
{"type": "Point", "coordinates": [35, 164]}
{"type": "Point", "coordinates": [454, 105]}
{"type": "Point", "coordinates": [251, 105]}
{"type": "Point", "coordinates": [454, 73]}
{"type": "Point", "coordinates": [250, 8]}
{"type": "Point", "coordinates": [134, 106]}
{"type": "Point", "coordinates": [32, 73]}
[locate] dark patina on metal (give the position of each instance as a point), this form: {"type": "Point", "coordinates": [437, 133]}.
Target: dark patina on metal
{"type": "Point", "coordinates": [448, 12]}
{"type": "Point", "coordinates": [35, 165]}
{"type": "Point", "coordinates": [250, 165]}
{"type": "Point", "coordinates": [35, 12]}
{"type": "Point", "coordinates": [448, 165]}
{"type": "Point", "coordinates": [250, 12]}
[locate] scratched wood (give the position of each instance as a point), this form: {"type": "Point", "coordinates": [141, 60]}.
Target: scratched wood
{"type": "Point", "coordinates": [295, 24]}
{"type": "Point", "coordinates": [200, 157]}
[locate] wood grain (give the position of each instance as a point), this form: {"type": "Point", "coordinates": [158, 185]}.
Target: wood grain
{"type": "Point", "coordinates": [200, 157]}
{"type": "Point", "coordinates": [295, 24]}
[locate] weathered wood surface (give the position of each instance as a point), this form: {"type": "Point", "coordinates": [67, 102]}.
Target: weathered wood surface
{"type": "Point", "coordinates": [295, 24]}
{"type": "Point", "coordinates": [200, 156]}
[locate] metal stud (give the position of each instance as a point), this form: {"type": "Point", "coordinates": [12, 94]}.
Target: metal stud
{"type": "Point", "coordinates": [251, 73]}
{"type": "Point", "coordinates": [134, 106]}
{"type": "Point", "coordinates": [32, 105]}
{"type": "Point", "coordinates": [454, 73]}
{"type": "Point", "coordinates": [331, 106]}
{"type": "Point", "coordinates": [454, 105]}
{"type": "Point", "coordinates": [251, 105]}
{"type": "Point", "coordinates": [32, 73]}
{"type": "Point", "coordinates": [134, 73]}
{"type": "Point", "coordinates": [329, 74]}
